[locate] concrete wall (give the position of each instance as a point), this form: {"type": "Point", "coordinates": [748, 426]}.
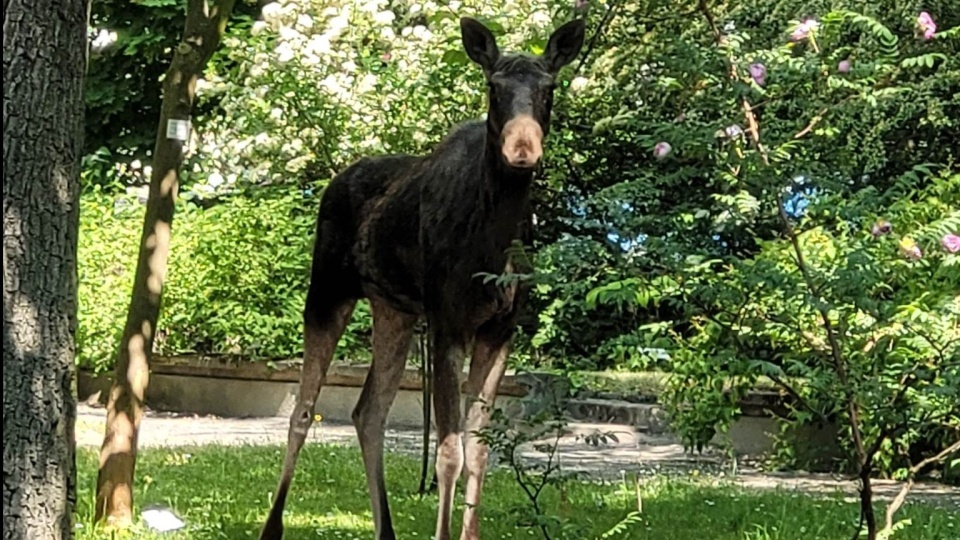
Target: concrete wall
{"type": "Point", "coordinates": [247, 389]}
{"type": "Point", "coordinates": [239, 398]}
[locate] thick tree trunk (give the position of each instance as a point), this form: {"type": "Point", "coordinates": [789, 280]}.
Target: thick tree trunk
{"type": "Point", "coordinates": [206, 22]}
{"type": "Point", "coordinates": [44, 61]}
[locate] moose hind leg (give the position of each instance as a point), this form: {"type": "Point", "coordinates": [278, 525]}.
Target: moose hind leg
{"type": "Point", "coordinates": [392, 335]}
{"type": "Point", "coordinates": [487, 365]}
{"type": "Point", "coordinates": [324, 323]}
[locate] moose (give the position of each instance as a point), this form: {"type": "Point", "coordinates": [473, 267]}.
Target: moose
{"type": "Point", "coordinates": [411, 234]}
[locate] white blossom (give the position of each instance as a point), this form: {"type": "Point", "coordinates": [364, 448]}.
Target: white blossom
{"type": "Point", "coordinates": [579, 83]}
{"type": "Point", "coordinates": [421, 32]}
{"type": "Point", "coordinates": [272, 12]}
{"type": "Point", "coordinates": [384, 17]}
{"type": "Point", "coordinates": [304, 21]}
{"type": "Point", "coordinates": [372, 6]}
{"type": "Point", "coordinates": [337, 25]}
{"type": "Point", "coordinates": [318, 45]}
{"type": "Point", "coordinates": [287, 33]}
{"type": "Point", "coordinates": [367, 84]}
{"type": "Point", "coordinates": [541, 19]}
{"type": "Point", "coordinates": [284, 53]}
{"type": "Point", "coordinates": [104, 39]}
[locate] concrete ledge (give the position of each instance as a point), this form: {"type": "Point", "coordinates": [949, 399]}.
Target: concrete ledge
{"type": "Point", "coordinates": [240, 389]}
{"type": "Point", "coordinates": [340, 374]}
{"type": "Point", "coordinates": [236, 388]}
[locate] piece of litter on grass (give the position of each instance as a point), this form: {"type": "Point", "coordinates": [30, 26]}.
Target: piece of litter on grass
{"type": "Point", "coordinates": [162, 520]}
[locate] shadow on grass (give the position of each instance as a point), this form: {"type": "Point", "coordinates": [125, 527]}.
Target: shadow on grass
{"type": "Point", "coordinates": [225, 493]}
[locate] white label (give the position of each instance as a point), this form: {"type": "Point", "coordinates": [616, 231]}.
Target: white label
{"type": "Point", "coordinates": [178, 129]}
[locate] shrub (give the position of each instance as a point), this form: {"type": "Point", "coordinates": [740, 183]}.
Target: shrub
{"type": "Point", "coordinates": [238, 277]}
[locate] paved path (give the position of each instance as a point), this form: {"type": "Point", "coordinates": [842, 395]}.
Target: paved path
{"type": "Point", "coordinates": [633, 452]}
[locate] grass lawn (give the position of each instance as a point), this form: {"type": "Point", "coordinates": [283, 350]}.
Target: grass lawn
{"type": "Point", "coordinates": [224, 493]}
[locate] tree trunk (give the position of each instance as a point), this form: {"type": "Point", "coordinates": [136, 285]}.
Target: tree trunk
{"type": "Point", "coordinates": [44, 62]}
{"type": "Point", "coordinates": [206, 22]}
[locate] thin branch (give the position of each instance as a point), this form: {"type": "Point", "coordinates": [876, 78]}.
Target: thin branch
{"type": "Point", "coordinates": [813, 123]}
{"type": "Point", "coordinates": [796, 395]}
{"type": "Point", "coordinates": [853, 408]}
{"type": "Point", "coordinates": [933, 344]}
{"type": "Point", "coordinates": [952, 449]}
{"type": "Point", "coordinates": [604, 22]}
{"type": "Point", "coordinates": [902, 495]}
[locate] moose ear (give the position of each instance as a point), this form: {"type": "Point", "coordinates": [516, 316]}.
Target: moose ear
{"type": "Point", "coordinates": [479, 43]}
{"type": "Point", "coordinates": [564, 44]}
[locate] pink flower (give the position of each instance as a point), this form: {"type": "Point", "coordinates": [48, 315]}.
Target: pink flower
{"type": "Point", "coordinates": [951, 243]}
{"type": "Point", "coordinates": [661, 149]}
{"type": "Point", "coordinates": [385, 57]}
{"type": "Point", "coordinates": [926, 25]}
{"type": "Point", "coordinates": [580, 4]}
{"type": "Point", "coordinates": [804, 29]}
{"type": "Point", "coordinates": [759, 73]}
{"type": "Point", "coordinates": [881, 228]}
{"type": "Point", "coordinates": [844, 66]}
{"type": "Point", "coordinates": [910, 249]}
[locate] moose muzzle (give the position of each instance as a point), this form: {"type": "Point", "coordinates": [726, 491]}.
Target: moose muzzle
{"type": "Point", "coordinates": [522, 142]}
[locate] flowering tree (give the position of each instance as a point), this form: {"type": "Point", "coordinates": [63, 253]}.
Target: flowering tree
{"type": "Point", "coordinates": [317, 84]}
{"type": "Point", "coordinates": [845, 296]}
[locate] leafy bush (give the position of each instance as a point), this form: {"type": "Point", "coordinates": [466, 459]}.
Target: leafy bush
{"type": "Point", "coordinates": [237, 281]}
{"type": "Point", "coordinates": [806, 254]}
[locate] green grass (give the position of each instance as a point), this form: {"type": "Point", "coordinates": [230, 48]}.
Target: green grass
{"type": "Point", "coordinates": [224, 493]}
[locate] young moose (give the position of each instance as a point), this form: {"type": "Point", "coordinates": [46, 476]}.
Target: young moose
{"type": "Point", "coordinates": [411, 234]}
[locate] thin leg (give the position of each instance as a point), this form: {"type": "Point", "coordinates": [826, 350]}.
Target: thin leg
{"type": "Point", "coordinates": [392, 335]}
{"type": "Point", "coordinates": [487, 365]}
{"type": "Point", "coordinates": [448, 361]}
{"type": "Point", "coordinates": [322, 331]}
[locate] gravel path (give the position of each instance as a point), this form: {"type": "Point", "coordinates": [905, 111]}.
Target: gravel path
{"type": "Point", "coordinates": [633, 453]}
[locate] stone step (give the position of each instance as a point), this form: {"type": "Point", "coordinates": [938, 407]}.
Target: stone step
{"type": "Point", "coordinates": [644, 417]}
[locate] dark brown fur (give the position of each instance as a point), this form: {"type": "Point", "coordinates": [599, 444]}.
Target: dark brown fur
{"type": "Point", "coordinates": [411, 234]}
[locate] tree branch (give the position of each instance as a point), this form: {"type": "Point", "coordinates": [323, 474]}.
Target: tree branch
{"type": "Point", "coordinates": [853, 409]}
{"type": "Point", "coordinates": [902, 495]}
{"type": "Point", "coordinates": [607, 17]}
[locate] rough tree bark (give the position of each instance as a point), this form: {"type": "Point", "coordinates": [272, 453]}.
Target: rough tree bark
{"type": "Point", "coordinates": [205, 25]}
{"type": "Point", "coordinates": [44, 62]}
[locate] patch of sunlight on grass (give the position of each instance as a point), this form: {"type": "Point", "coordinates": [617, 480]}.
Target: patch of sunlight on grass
{"type": "Point", "coordinates": [332, 520]}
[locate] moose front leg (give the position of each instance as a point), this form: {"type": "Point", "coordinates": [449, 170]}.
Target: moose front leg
{"type": "Point", "coordinates": [487, 366]}
{"type": "Point", "coordinates": [448, 350]}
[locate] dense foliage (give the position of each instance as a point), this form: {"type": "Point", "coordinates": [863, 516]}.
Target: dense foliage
{"type": "Point", "coordinates": [237, 277]}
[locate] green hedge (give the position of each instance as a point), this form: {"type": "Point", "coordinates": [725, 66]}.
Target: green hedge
{"type": "Point", "coordinates": [236, 283]}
